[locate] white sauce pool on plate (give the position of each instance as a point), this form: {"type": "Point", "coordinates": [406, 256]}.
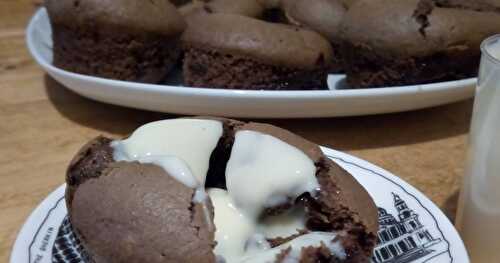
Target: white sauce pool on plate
{"type": "Point", "coordinates": [243, 239]}
{"type": "Point", "coordinates": [314, 239]}
{"type": "Point", "coordinates": [262, 172]}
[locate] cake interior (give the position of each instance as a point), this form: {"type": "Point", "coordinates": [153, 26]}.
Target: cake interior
{"type": "Point", "coordinates": [212, 68]}
{"type": "Point", "coordinates": [113, 55]}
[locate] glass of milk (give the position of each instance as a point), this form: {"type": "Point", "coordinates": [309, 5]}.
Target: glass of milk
{"type": "Point", "coordinates": [478, 217]}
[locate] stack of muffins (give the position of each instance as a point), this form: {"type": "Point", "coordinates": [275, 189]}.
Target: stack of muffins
{"type": "Point", "coordinates": [273, 44]}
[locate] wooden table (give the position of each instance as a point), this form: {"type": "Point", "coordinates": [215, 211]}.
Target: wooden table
{"type": "Point", "coordinates": [42, 125]}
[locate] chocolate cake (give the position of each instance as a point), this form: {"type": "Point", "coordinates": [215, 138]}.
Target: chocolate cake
{"type": "Point", "coordinates": [322, 16]}
{"type": "Point", "coordinates": [236, 52]}
{"type": "Point", "coordinates": [133, 200]}
{"type": "Point", "coordinates": [116, 39]}
{"type": "Point", "coordinates": [392, 42]}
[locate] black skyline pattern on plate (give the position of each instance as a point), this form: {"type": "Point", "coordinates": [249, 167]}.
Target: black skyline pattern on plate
{"type": "Point", "coordinates": [67, 249]}
{"type": "Point", "coordinates": [402, 239]}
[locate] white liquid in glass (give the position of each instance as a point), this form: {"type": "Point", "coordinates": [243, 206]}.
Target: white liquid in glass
{"type": "Point", "coordinates": [479, 206]}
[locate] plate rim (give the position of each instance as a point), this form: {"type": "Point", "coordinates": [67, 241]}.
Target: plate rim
{"type": "Point", "coordinates": [425, 202]}
{"type": "Point", "coordinates": [44, 206]}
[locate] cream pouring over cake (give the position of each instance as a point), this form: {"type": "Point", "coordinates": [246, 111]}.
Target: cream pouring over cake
{"type": "Point", "coordinates": [216, 190]}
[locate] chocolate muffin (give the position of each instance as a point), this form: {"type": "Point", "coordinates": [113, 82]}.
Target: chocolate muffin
{"type": "Point", "coordinates": [392, 42]}
{"type": "Point", "coordinates": [250, 8]}
{"type": "Point", "coordinates": [322, 16]}
{"type": "Point", "coordinates": [126, 206]}
{"type": "Point", "coordinates": [237, 52]}
{"type": "Point", "coordinates": [119, 39]}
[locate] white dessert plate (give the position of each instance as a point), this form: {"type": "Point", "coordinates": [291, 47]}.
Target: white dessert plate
{"type": "Point", "coordinates": [412, 228]}
{"type": "Point", "coordinates": [173, 98]}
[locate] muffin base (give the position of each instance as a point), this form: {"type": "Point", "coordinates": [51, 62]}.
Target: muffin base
{"type": "Point", "coordinates": [367, 69]}
{"type": "Point", "coordinates": [214, 69]}
{"type": "Point", "coordinates": [114, 55]}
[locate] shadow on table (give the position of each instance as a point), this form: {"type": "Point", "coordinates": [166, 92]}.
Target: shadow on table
{"type": "Point", "coordinates": [364, 132]}
{"type": "Point", "coordinates": [346, 133]}
{"type": "Point", "coordinates": [97, 115]}
{"type": "Point", "coordinates": [450, 206]}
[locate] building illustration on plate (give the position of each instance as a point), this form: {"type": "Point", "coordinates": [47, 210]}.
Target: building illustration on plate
{"type": "Point", "coordinates": [401, 239]}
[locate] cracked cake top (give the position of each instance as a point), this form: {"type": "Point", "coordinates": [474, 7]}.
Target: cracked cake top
{"type": "Point", "coordinates": [416, 28]}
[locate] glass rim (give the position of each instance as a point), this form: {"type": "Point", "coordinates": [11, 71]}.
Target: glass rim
{"type": "Point", "coordinates": [484, 49]}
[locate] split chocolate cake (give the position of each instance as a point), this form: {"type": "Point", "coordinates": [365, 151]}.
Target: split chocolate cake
{"type": "Point", "coordinates": [216, 190]}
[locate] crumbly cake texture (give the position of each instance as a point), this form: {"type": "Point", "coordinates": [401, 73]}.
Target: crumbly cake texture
{"type": "Point", "coordinates": [114, 39]}
{"type": "Point", "coordinates": [115, 56]}
{"type": "Point", "coordinates": [232, 51]}
{"type": "Point", "coordinates": [412, 42]}
{"type": "Point", "coordinates": [214, 69]}
{"type": "Point", "coordinates": [98, 186]}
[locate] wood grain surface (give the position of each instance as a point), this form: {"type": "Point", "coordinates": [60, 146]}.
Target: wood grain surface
{"type": "Point", "coordinates": [42, 125]}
